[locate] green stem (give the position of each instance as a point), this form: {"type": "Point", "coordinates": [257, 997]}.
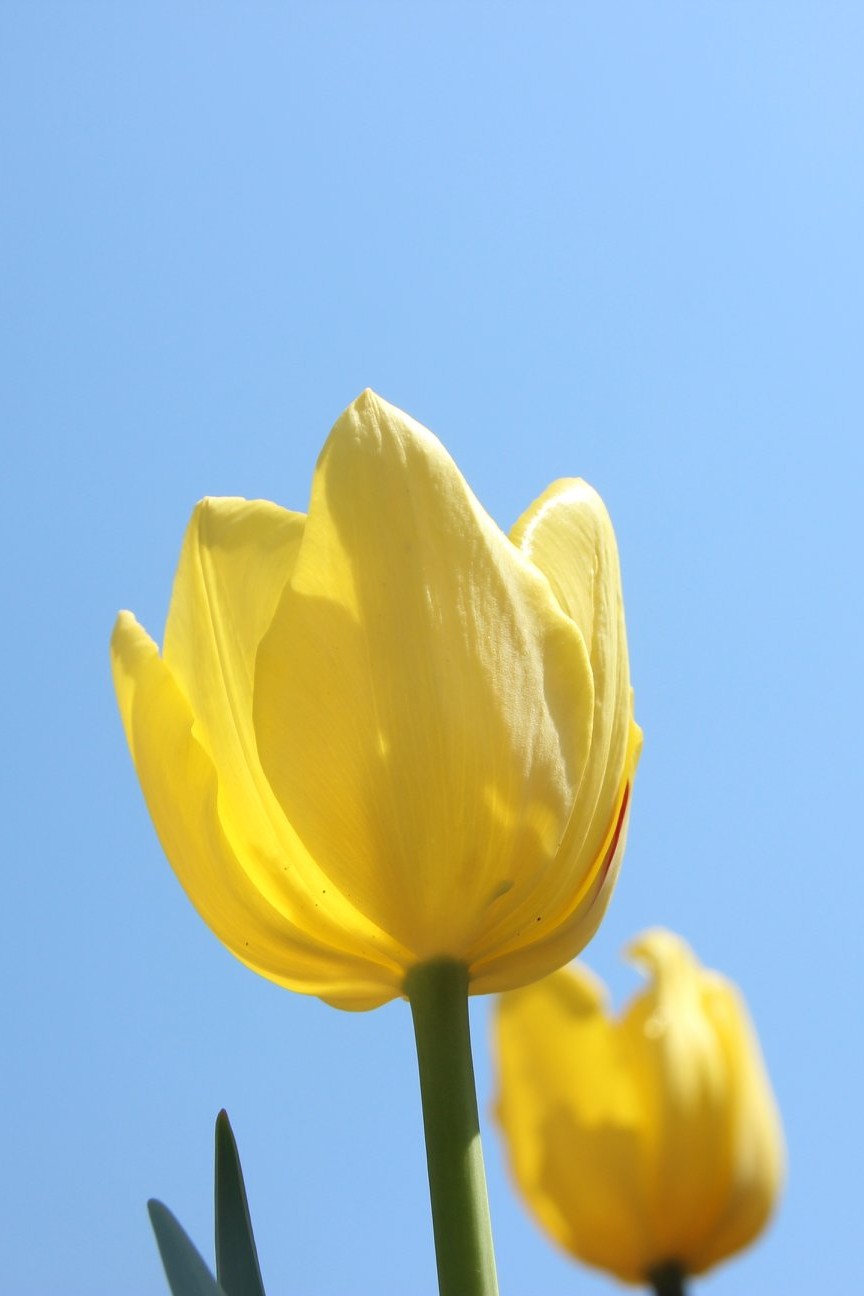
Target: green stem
{"type": "Point", "coordinates": [438, 994]}
{"type": "Point", "coordinates": [668, 1280]}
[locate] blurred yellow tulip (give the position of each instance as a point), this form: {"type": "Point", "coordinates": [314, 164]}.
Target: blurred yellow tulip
{"type": "Point", "coordinates": [386, 732]}
{"type": "Point", "coordinates": [645, 1143]}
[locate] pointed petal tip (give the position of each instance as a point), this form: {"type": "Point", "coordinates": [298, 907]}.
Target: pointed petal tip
{"type": "Point", "coordinates": [657, 950]}
{"type": "Point", "coordinates": [371, 407]}
{"type": "Point", "coordinates": [366, 397]}
{"type": "Point", "coordinates": [124, 633]}
{"type": "Point", "coordinates": [356, 422]}
{"type": "Point", "coordinates": [132, 652]}
{"type": "Point", "coordinates": [370, 423]}
{"type": "Point", "coordinates": [128, 634]}
{"type": "Point", "coordinates": [124, 620]}
{"type": "Point", "coordinates": [367, 405]}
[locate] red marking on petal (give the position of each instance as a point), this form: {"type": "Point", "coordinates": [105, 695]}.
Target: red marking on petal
{"type": "Point", "coordinates": [616, 836]}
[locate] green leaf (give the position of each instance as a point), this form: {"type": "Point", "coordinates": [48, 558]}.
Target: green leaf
{"type": "Point", "coordinates": [236, 1254]}
{"type": "Point", "coordinates": [186, 1272]}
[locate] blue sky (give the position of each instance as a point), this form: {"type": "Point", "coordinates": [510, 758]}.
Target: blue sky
{"type": "Point", "coordinates": [618, 241]}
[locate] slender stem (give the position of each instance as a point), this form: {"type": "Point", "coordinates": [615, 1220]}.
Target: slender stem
{"type": "Point", "coordinates": [438, 993]}
{"type": "Point", "coordinates": [668, 1280]}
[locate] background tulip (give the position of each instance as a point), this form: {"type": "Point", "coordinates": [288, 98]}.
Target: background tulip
{"type": "Point", "coordinates": [648, 1145]}
{"type": "Point", "coordinates": [386, 733]}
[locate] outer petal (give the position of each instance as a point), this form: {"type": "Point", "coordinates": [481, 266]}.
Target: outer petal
{"type": "Point", "coordinates": [572, 1120]}
{"type": "Point", "coordinates": [422, 706]}
{"type": "Point", "coordinates": [682, 1076]}
{"type": "Point", "coordinates": [714, 1159]}
{"type": "Point", "coordinates": [568, 535]}
{"type": "Point", "coordinates": [237, 558]}
{"type": "Point", "coordinates": [757, 1152]}
{"type": "Point", "coordinates": [179, 784]}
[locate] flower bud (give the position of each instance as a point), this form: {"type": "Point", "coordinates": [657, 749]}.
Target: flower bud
{"type": "Point", "coordinates": [645, 1141]}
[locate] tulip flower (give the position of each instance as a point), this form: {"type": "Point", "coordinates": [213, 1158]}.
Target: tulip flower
{"type": "Point", "coordinates": [385, 736]}
{"type": "Point", "coordinates": [384, 732]}
{"type": "Point", "coordinates": [649, 1145]}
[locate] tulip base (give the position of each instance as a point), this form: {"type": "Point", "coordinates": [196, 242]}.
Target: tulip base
{"type": "Point", "coordinates": [668, 1280]}
{"type": "Point", "coordinates": [438, 994]}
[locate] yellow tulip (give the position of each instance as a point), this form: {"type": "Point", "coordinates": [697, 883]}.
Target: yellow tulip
{"type": "Point", "coordinates": [384, 732]}
{"type": "Point", "coordinates": [647, 1143]}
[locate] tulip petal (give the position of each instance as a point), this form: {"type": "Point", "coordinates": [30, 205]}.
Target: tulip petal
{"type": "Point", "coordinates": [423, 707]}
{"type": "Point", "coordinates": [755, 1132]}
{"type": "Point", "coordinates": [571, 1119]}
{"type": "Point", "coordinates": [237, 557]}
{"type": "Point", "coordinates": [180, 786]}
{"type": "Point", "coordinates": [568, 535]}
{"type": "Point", "coordinates": [682, 1082]}
{"type": "Point", "coordinates": [717, 1162]}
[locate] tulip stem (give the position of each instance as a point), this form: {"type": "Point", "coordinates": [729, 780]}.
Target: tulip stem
{"type": "Point", "coordinates": [438, 994]}
{"type": "Point", "coordinates": [668, 1280]}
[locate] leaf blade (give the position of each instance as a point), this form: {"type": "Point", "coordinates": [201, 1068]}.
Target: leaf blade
{"type": "Point", "coordinates": [185, 1270]}
{"type": "Point", "coordinates": [237, 1267]}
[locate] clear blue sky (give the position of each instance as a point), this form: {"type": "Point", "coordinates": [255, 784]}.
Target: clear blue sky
{"type": "Point", "coordinates": [620, 241]}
